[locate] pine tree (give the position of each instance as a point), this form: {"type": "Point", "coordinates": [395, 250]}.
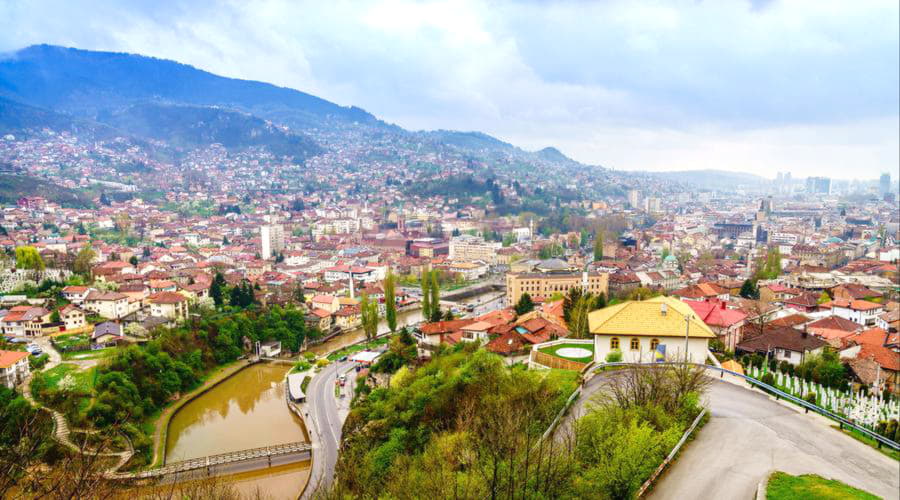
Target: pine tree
{"type": "Point", "coordinates": [215, 291]}
{"type": "Point", "coordinates": [390, 302]}
{"type": "Point", "coordinates": [598, 247]}
{"type": "Point", "coordinates": [426, 297]}
{"type": "Point", "coordinates": [524, 305]}
{"type": "Point", "coordinates": [435, 298]}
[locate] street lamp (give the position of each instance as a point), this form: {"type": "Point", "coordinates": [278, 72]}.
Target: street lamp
{"type": "Point", "coordinates": [687, 329]}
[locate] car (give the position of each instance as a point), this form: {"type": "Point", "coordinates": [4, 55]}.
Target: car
{"type": "Point", "coordinates": [19, 340]}
{"type": "Point", "coordinates": [343, 358]}
{"type": "Point", "coordinates": [35, 352]}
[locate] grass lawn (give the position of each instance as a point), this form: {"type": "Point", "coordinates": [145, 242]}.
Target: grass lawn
{"type": "Point", "coordinates": [67, 341]}
{"type": "Point", "coordinates": [586, 359]}
{"type": "Point", "coordinates": [336, 355]}
{"type": "Point", "coordinates": [90, 354]}
{"type": "Point", "coordinates": [81, 380]}
{"type": "Point", "coordinates": [785, 486]}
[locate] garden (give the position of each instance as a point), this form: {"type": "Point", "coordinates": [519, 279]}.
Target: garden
{"type": "Point", "coordinates": [784, 486]}
{"type": "Point", "coordinates": [582, 353]}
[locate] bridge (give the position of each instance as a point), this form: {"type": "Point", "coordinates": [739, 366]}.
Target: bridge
{"type": "Point", "coordinates": [265, 452]}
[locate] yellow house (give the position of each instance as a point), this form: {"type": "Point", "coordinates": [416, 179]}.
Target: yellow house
{"type": "Point", "coordinates": [640, 329]}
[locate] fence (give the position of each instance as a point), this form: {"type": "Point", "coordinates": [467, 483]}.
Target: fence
{"type": "Point", "coordinates": [665, 463]}
{"type": "Point", "coordinates": [779, 394]}
{"type": "Point", "coordinates": [552, 361]}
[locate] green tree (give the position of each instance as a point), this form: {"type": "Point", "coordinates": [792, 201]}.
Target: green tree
{"type": "Point", "coordinates": [83, 260]}
{"type": "Point", "coordinates": [749, 290]}
{"type": "Point", "coordinates": [217, 289]}
{"type": "Point", "coordinates": [27, 257]}
{"type": "Point", "coordinates": [424, 282]}
{"type": "Point", "coordinates": [435, 297]}
{"type": "Point", "coordinates": [133, 260]}
{"type": "Point", "coordinates": [524, 305]}
{"type": "Point", "coordinates": [368, 310]}
{"type": "Point", "coordinates": [598, 247]}
{"type": "Point", "coordinates": [823, 298]}
{"type": "Point", "coordinates": [578, 326]}
{"type": "Point", "coordinates": [390, 301]}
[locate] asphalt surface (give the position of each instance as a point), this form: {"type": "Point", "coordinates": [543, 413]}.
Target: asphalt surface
{"type": "Point", "coordinates": [749, 435]}
{"type": "Point", "coordinates": [327, 423]}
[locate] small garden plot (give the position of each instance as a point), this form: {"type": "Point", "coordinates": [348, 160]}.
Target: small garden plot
{"type": "Point", "coordinates": [72, 342]}
{"type": "Point", "coordinates": [582, 353]}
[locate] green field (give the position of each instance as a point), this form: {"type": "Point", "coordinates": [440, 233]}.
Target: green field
{"type": "Point", "coordinates": [784, 486]}
{"type": "Point", "coordinates": [68, 341]}
{"type": "Point", "coordinates": [586, 359]}
{"type": "Point", "coordinates": [82, 381]}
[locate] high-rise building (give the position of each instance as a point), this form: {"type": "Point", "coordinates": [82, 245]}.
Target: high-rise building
{"type": "Point", "coordinates": [634, 198]}
{"type": "Point", "coordinates": [271, 240]}
{"type": "Point", "coordinates": [884, 183]}
{"type": "Point", "coordinates": [818, 185]}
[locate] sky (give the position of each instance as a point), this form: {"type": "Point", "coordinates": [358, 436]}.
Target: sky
{"type": "Point", "coordinates": [803, 86]}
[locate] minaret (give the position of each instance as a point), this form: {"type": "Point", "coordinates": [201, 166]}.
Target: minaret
{"type": "Point", "coordinates": [352, 293]}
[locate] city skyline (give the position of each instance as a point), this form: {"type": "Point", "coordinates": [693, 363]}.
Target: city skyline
{"type": "Point", "coordinates": [807, 88]}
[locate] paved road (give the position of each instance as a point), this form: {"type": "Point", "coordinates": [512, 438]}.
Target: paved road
{"type": "Point", "coordinates": [749, 435]}
{"type": "Point", "coordinates": [326, 423]}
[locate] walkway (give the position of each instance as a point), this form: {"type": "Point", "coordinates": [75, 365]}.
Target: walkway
{"type": "Point", "coordinates": [61, 430]}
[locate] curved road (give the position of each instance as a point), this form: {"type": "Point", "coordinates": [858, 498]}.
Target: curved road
{"type": "Point", "coordinates": [749, 435]}
{"type": "Point", "coordinates": [327, 419]}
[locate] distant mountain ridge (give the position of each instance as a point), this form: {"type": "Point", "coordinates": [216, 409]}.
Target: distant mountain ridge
{"type": "Point", "coordinates": [151, 98]}
{"type": "Point", "coordinates": [713, 178]}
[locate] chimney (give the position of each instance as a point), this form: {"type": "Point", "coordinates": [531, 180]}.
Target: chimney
{"type": "Point", "coordinates": [663, 308]}
{"type": "Point", "coordinates": [723, 305]}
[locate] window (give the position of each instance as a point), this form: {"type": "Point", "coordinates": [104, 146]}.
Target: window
{"type": "Point", "coordinates": [654, 344]}
{"type": "Point", "coordinates": [614, 343]}
{"type": "Point", "coordinates": [635, 344]}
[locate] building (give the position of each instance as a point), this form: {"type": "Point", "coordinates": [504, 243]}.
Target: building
{"type": "Point", "coordinates": [360, 274]}
{"type": "Point", "coordinates": [73, 317]}
{"type": "Point", "coordinates": [171, 305]}
{"type": "Point", "coordinates": [634, 198]}
{"type": "Point", "coordinates": [13, 368]}
{"type": "Point", "coordinates": [650, 330]}
{"type": "Point", "coordinates": [726, 323]}
{"type": "Point", "coordinates": [76, 294]}
{"type": "Point", "coordinates": [884, 183]}
{"type": "Point", "coordinates": [25, 321]}
{"type": "Point", "coordinates": [546, 283]}
{"type": "Point", "coordinates": [818, 185]}
{"type": "Point", "coordinates": [111, 305]}
{"type": "Point", "coordinates": [469, 248]}
{"type": "Point", "coordinates": [271, 240]}
{"type": "Point", "coordinates": [784, 344]}
{"type": "Point", "coordinates": [470, 271]}
{"type": "Point", "coordinates": [859, 311]}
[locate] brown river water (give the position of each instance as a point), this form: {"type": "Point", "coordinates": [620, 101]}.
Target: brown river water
{"type": "Point", "coordinates": [245, 411]}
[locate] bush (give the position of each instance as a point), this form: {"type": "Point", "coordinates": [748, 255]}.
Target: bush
{"type": "Point", "coordinates": [745, 360]}
{"type": "Point", "coordinates": [757, 360]}
{"type": "Point", "coordinates": [811, 398]}
{"type": "Point", "coordinates": [309, 356]}
{"type": "Point", "coordinates": [302, 366]}
{"type": "Point", "coordinates": [768, 378]}
{"type": "Point", "coordinates": [322, 362]}
{"type": "Point", "coordinates": [38, 362]}
{"type": "Point", "coordinates": [614, 356]}
{"type": "Point", "coordinates": [773, 365]}
{"type": "Point", "coordinates": [784, 366]}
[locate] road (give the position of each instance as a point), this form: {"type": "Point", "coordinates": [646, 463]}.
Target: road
{"type": "Point", "coordinates": [327, 420]}
{"type": "Point", "coordinates": [749, 435]}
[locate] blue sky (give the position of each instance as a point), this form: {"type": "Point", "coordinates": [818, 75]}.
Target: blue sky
{"type": "Point", "coordinates": [806, 86]}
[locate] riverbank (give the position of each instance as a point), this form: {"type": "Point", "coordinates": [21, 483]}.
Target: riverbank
{"type": "Point", "coordinates": [161, 422]}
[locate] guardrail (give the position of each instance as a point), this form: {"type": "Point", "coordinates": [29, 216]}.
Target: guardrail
{"type": "Point", "coordinates": [779, 394]}
{"type": "Point", "coordinates": [665, 463]}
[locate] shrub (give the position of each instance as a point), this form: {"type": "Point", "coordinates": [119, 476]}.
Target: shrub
{"type": "Point", "coordinates": [783, 367]}
{"type": "Point", "coordinates": [773, 365]}
{"type": "Point", "coordinates": [309, 356]}
{"type": "Point", "coordinates": [745, 360]}
{"type": "Point", "coordinates": [38, 362]}
{"type": "Point", "coordinates": [302, 366]}
{"type": "Point", "coordinates": [811, 398]}
{"type": "Point", "coordinates": [757, 360]}
{"type": "Point", "coordinates": [322, 362]}
{"type": "Point", "coordinates": [768, 378]}
{"type": "Point", "coordinates": [614, 356]}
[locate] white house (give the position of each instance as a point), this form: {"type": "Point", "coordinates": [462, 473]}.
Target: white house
{"type": "Point", "coordinates": [859, 311]}
{"type": "Point", "coordinates": [641, 329]}
{"type": "Point", "coordinates": [13, 367]}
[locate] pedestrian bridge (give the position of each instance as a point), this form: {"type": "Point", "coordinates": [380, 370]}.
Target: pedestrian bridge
{"type": "Point", "coordinates": [265, 452]}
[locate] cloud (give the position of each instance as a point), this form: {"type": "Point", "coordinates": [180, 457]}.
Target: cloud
{"type": "Point", "coordinates": [808, 85]}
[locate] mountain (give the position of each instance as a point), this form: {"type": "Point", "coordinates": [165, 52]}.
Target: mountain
{"type": "Point", "coordinates": [714, 179]}
{"type": "Point", "coordinates": [474, 141]}
{"type": "Point", "coordinates": [12, 187]}
{"type": "Point", "coordinates": [84, 82]}
{"type": "Point", "coordinates": [194, 126]}
{"type": "Point", "coordinates": [554, 155]}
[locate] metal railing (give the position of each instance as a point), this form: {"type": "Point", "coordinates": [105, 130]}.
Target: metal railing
{"type": "Point", "coordinates": [779, 394]}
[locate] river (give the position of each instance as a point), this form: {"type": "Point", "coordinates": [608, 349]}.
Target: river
{"type": "Point", "coordinates": [247, 410]}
